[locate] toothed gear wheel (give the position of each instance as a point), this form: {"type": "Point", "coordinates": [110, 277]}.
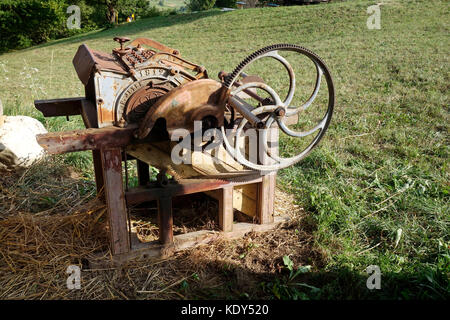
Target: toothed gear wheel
{"type": "Point", "coordinates": [276, 162]}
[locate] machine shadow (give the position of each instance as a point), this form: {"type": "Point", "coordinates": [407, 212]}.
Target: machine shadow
{"type": "Point", "coordinates": [224, 280]}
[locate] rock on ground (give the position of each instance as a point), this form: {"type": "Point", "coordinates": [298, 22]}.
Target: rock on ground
{"type": "Point", "coordinates": [18, 145]}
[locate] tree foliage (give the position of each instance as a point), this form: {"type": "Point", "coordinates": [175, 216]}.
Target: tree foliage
{"type": "Point", "coordinates": [24, 23]}
{"type": "Point", "coordinates": [226, 3]}
{"type": "Point", "coordinates": [200, 5]}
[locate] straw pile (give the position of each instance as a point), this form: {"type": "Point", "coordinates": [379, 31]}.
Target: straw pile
{"type": "Point", "coordinates": [49, 219]}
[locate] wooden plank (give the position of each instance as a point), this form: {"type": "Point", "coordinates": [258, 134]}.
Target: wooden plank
{"type": "Point", "coordinates": [216, 161]}
{"type": "Point", "coordinates": [244, 198]}
{"type": "Point", "coordinates": [87, 139]}
{"type": "Point", "coordinates": [115, 200]}
{"type": "Point", "coordinates": [98, 171]}
{"type": "Point", "coordinates": [188, 186]}
{"type": "Point", "coordinates": [265, 204]}
{"type": "Point", "coordinates": [266, 189]}
{"type": "Point", "coordinates": [226, 209]}
{"type": "Point", "coordinates": [156, 155]}
{"type": "Point", "coordinates": [165, 220]}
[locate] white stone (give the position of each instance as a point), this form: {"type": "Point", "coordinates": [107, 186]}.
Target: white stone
{"type": "Point", "coordinates": [18, 145]}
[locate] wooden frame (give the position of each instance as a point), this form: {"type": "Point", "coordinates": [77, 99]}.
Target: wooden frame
{"type": "Point", "coordinates": [108, 175]}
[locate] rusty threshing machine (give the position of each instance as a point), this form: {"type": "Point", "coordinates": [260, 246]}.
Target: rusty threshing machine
{"type": "Point", "coordinates": [145, 103]}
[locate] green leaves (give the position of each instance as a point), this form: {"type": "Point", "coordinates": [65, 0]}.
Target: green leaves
{"type": "Point", "coordinates": [285, 288]}
{"type": "Point", "coordinates": [288, 263]}
{"type": "Point", "coordinates": [200, 5]}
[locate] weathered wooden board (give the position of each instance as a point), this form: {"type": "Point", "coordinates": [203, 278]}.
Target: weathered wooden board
{"type": "Point", "coordinates": [115, 200]}
{"type": "Point", "coordinates": [158, 155]}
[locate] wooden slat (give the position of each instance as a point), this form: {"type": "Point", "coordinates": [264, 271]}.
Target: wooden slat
{"type": "Point", "coordinates": [115, 200]}
{"type": "Point", "coordinates": [266, 189]}
{"type": "Point", "coordinates": [226, 209]}
{"type": "Point", "coordinates": [165, 220]}
{"type": "Point", "coordinates": [188, 186]}
{"type": "Point", "coordinates": [265, 204]}
{"type": "Point", "coordinates": [98, 171]}
{"type": "Point", "coordinates": [244, 198]}
{"type": "Point", "coordinates": [87, 139]}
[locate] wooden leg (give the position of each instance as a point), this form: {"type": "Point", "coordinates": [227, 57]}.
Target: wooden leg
{"type": "Point", "coordinates": [111, 161]}
{"type": "Point", "coordinates": [226, 209]}
{"type": "Point", "coordinates": [98, 171]}
{"type": "Point", "coordinates": [266, 188]}
{"type": "Point", "coordinates": [165, 220]}
{"type": "Point", "coordinates": [266, 195]}
{"type": "Point", "coordinates": [143, 173]}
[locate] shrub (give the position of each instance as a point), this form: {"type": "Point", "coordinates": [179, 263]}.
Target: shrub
{"type": "Point", "coordinates": [226, 3]}
{"type": "Point", "coordinates": [200, 5]}
{"type": "Point", "coordinates": [25, 22]}
{"type": "Point", "coordinates": [128, 7]}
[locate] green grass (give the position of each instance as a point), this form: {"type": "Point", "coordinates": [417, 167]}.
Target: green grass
{"type": "Point", "coordinates": [383, 164]}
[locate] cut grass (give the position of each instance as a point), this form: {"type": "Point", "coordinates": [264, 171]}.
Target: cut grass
{"type": "Point", "coordinates": [383, 164]}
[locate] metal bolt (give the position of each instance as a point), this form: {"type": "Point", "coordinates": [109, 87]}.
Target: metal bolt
{"type": "Point", "coordinates": [280, 112]}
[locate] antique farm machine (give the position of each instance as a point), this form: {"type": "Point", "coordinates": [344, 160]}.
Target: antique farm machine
{"type": "Point", "coordinates": [145, 103]}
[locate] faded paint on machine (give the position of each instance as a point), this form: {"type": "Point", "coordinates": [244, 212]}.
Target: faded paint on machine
{"type": "Point", "coordinates": [107, 86]}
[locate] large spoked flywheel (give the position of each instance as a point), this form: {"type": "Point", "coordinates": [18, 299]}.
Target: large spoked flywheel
{"type": "Point", "coordinates": [299, 105]}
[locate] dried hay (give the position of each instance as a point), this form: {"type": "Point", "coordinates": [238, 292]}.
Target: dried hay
{"type": "Point", "coordinates": [36, 247]}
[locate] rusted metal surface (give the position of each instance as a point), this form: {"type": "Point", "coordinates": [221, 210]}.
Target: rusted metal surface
{"type": "Point", "coordinates": [141, 101]}
{"type": "Point", "coordinates": [246, 110]}
{"type": "Point", "coordinates": [87, 139]}
{"type": "Point", "coordinates": [131, 76]}
{"type": "Point", "coordinates": [88, 61]}
{"type": "Point", "coordinates": [154, 44]}
{"type": "Point", "coordinates": [195, 100]}
{"type": "Point", "coordinates": [146, 81]}
{"type": "Point", "coordinates": [60, 107]}
{"type": "Point", "coordinates": [142, 92]}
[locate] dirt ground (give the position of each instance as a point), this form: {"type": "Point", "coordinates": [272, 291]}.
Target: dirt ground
{"type": "Point", "coordinates": [39, 241]}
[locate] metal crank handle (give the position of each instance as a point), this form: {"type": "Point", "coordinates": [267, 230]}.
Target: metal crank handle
{"type": "Point", "coordinates": [241, 106]}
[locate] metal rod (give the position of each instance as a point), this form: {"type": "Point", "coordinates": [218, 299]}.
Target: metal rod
{"type": "Point", "coordinates": [243, 108]}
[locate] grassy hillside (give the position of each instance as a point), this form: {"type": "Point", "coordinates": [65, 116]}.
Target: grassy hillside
{"type": "Point", "coordinates": [376, 190]}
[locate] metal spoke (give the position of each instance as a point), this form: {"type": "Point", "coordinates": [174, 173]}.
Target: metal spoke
{"type": "Point", "coordinates": [275, 110]}
{"type": "Point", "coordinates": [313, 96]}
{"type": "Point", "coordinates": [259, 85]}
{"type": "Point", "coordinates": [290, 70]}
